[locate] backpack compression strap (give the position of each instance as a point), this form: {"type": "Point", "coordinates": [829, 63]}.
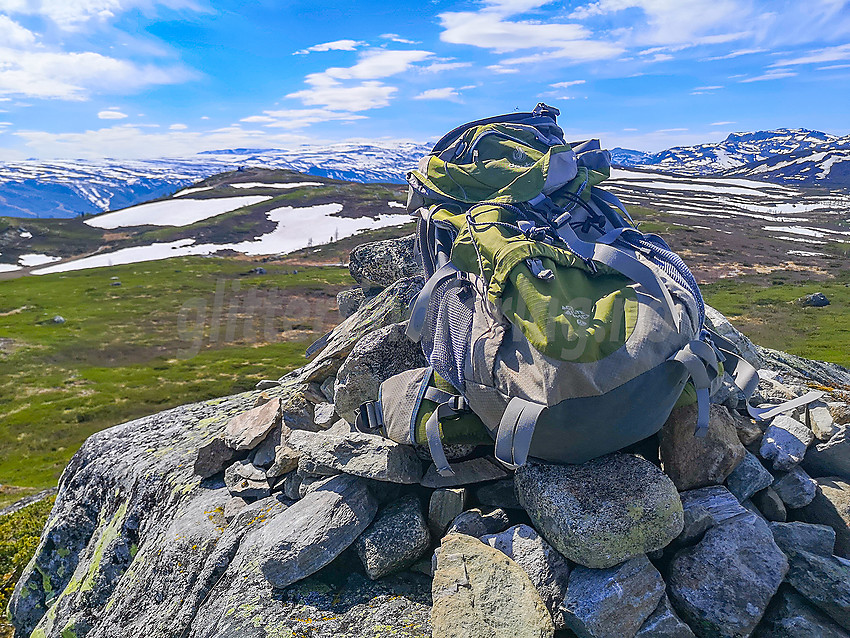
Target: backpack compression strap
{"type": "Point", "coordinates": [449, 405]}
{"type": "Point", "coordinates": [513, 438]}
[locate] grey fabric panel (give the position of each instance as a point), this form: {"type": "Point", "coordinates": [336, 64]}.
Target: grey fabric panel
{"type": "Point", "coordinates": [400, 398]}
{"type": "Point", "coordinates": [577, 430]}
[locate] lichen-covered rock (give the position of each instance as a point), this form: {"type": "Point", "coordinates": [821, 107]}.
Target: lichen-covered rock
{"type": "Point", "coordinates": [796, 488]}
{"type": "Point", "coordinates": [396, 539]}
{"type": "Point", "coordinates": [748, 478]}
{"type": "Point", "coordinates": [356, 453]}
{"type": "Point", "coordinates": [692, 461]}
{"type": "Point", "coordinates": [785, 442]}
{"type": "Point", "coordinates": [807, 537]}
{"type": "Point", "coordinates": [602, 512]}
{"type": "Point", "coordinates": [381, 263]}
{"type": "Point", "coordinates": [348, 301]}
{"type": "Point", "coordinates": [824, 582]}
{"type": "Point", "coordinates": [547, 569]}
{"type": "Point", "coordinates": [789, 616]}
{"type": "Point", "coordinates": [376, 357]}
{"type": "Point", "coordinates": [831, 506]}
{"type": "Point", "coordinates": [664, 623]}
{"type": "Point", "coordinates": [478, 592]}
{"type": "Point", "coordinates": [831, 458]}
{"type": "Point", "coordinates": [722, 585]}
{"type": "Point", "coordinates": [477, 522]}
{"type": "Point", "coordinates": [830, 375]}
{"type": "Point", "coordinates": [614, 601]}
{"type": "Point", "coordinates": [315, 530]}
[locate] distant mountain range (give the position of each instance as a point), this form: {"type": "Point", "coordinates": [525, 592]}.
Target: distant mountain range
{"type": "Point", "coordinates": [790, 156]}
{"type": "Point", "coordinates": [68, 188]}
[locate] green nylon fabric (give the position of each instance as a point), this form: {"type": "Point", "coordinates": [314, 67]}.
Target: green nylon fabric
{"type": "Point", "coordinates": [466, 428]}
{"type": "Point", "coordinates": [500, 169]}
{"type": "Point", "coordinates": [578, 315]}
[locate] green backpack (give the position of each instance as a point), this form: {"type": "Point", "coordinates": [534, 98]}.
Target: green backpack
{"type": "Point", "coordinates": [552, 325]}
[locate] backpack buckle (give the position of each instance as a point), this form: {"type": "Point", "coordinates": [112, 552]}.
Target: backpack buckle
{"type": "Point", "coordinates": [458, 403]}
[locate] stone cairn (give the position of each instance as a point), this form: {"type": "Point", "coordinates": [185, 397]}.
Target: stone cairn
{"type": "Point", "coordinates": [744, 532]}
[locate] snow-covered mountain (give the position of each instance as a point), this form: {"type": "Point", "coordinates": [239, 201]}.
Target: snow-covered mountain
{"type": "Point", "coordinates": [796, 156]}
{"type": "Point", "coordinates": [68, 188]}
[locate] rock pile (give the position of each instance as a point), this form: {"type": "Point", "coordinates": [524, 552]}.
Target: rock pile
{"type": "Point", "coordinates": [265, 515]}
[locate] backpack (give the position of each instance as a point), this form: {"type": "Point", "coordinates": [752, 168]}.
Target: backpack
{"type": "Point", "coordinates": [553, 326]}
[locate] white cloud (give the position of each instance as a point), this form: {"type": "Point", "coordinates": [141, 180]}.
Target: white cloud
{"type": "Point", "coordinates": [721, 123]}
{"type": "Point", "coordinates": [736, 54]}
{"type": "Point", "coordinates": [73, 14]}
{"type": "Point", "coordinates": [708, 88]}
{"type": "Point", "coordinates": [177, 127]}
{"type": "Point", "coordinates": [336, 45]}
{"type": "Point", "coordinates": [773, 74]}
{"type": "Point", "coordinates": [394, 37]}
{"type": "Point", "coordinates": [446, 93]}
{"type": "Point", "coordinates": [294, 119]}
{"type": "Point", "coordinates": [74, 76]}
{"type": "Point", "coordinates": [258, 119]}
{"type": "Point", "coordinates": [111, 114]}
{"type": "Point", "coordinates": [327, 88]}
{"type": "Point", "coordinates": [831, 54]}
{"type": "Point", "coordinates": [566, 85]}
{"type": "Point", "coordinates": [439, 67]}
{"type": "Point", "coordinates": [14, 35]}
{"type": "Point", "coordinates": [498, 68]}
{"type": "Point", "coordinates": [832, 67]}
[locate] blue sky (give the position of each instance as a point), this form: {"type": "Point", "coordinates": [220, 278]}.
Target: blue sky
{"type": "Point", "coordinates": [145, 78]}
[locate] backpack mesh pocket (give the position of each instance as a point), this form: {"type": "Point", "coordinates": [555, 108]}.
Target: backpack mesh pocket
{"type": "Point", "coordinates": [448, 327]}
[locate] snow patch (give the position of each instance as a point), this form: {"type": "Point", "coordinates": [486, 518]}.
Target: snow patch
{"type": "Point", "coordinates": [174, 212]}
{"type": "Point", "coordinates": [26, 235]}
{"type": "Point", "coordinates": [396, 205]}
{"type": "Point", "coordinates": [36, 259]}
{"type": "Point", "coordinates": [264, 185]}
{"type": "Point", "coordinates": [8, 267]}
{"type": "Point", "coordinates": [190, 191]}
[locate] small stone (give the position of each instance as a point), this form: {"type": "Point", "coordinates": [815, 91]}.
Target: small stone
{"type": "Point", "coordinates": [356, 453]}
{"type": "Point", "coordinates": [327, 389]}
{"type": "Point", "coordinates": [748, 478]}
{"type": "Point", "coordinates": [770, 505]}
{"type": "Point", "coordinates": [840, 412]}
{"type": "Point", "coordinates": [292, 485]}
{"type": "Point", "coordinates": [749, 431]}
{"type": "Point", "coordinates": [796, 488]}
{"type": "Point", "coordinates": [476, 470]}
{"type": "Point", "coordinates": [478, 592]}
{"type": "Point", "coordinates": [790, 616]}
{"type": "Point", "coordinates": [823, 581]}
{"type": "Point", "coordinates": [396, 539]}
{"type": "Point", "coordinates": [213, 457]}
{"type": "Point", "coordinates": [547, 569]}
{"type": "Point", "coordinates": [614, 601]}
{"type": "Point", "coordinates": [443, 508]}
{"type": "Point", "coordinates": [349, 301]}
{"type": "Point", "coordinates": [795, 537]}
{"type": "Point", "coordinates": [814, 300]}
{"type": "Point", "coordinates": [603, 512]}
{"type": "Point", "coordinates": [692, 461]}
{"type": "Point", "coordinates": [664, 623]}
{"type": "Point", "coordinates": [58, 319]}
{"type": "Point", "coordinates": [246, 430]}
{"type": "Point", "coordinates": [831, 506]}
{"type": "Point", "coordinates": [233, 507]}
{"type": "Point", "coordinates": [324, 415]}
{"type": "Point", "coordinates": [477, 522]}
{"type": "Point", "coordinates": [819, 418]}
{"type": "Point", "coordinates": [315, 530]}
{"type": "Point", "coordinates": [704, 508]}
{"type": "Point", "coordinates": [267, 384]}
{"type": "Point", "coordinates": [378, 356]}
{"type": "Point", "coordinates": [830, 458]}
{"type": "Point", "coordinates": [498, 494]}
{"type": "Point", "coordinates": [285, 460]}
{"type": "Point", "coordinates": [722, 585]}
{"type": "Point", "coordinates": [785, 442]}
{"type": "Point", "coordinates": [262, 399]}
{"type": "Point", "coordinates": [244, 479]}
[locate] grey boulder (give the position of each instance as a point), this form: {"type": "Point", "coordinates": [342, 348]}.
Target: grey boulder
{"type": "Point", "coordinates": [831, 458]}
{"type": "Point", "coordinates": [396, 539]}
{"type": "Point", "coordinates": [381, 263]}
{"type": "Point", "coordinates": [245, 431]}
{"type": "Point", "coordinates": [824, 581]}
{"type": "Point", "coordinates": [722, 585]}
{"type": "Point", "coordinates": [348, 301]}
{"type": "Point", "coordinates": [748, 478]}
{"type": "Point", "coordinates": [664, 623]}
{"type": "Point", "coordinates": [790, 616]}
{"type": "Point", "coordinates": [614, 601]}
{"type": "Point", "coordinates": [603, 512]}
{"type": "Point", "coordinates": [246, 480]}
{"type": "Point", "coordinates": [478, 522]}
{"type": "Point", "coordinates": [315, 530]}
{"type": "Point", "coordinates": [785, 442]}
{"type": "Point", "coordinates": [704, 508]}
{"type": "Point", "coordinates": [376, 357]}
{"type": "Point", "coordinates": [808, 537]}
{"type": "Point", "coordinates": [444, 506]}
{"type": "Point", "coordinates": [831, 506]}
{"type": "Point", "coordinates": [796, 488]}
